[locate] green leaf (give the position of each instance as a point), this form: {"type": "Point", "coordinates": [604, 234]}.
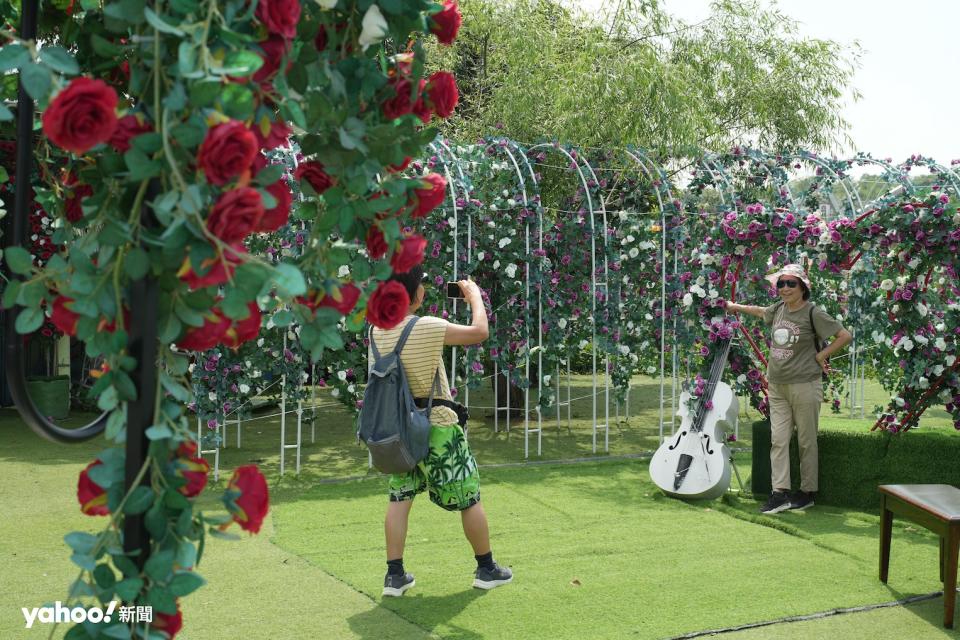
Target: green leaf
{"type": "Point", "coordinates": [184, 6]}
{"type": "Point", "coordinates": [58, 59]}
{"type": "Point", "coordinates": [126, 390]}
{"type": "Point", "coordinates": [137, 263]}
{"type": "Point", "coordinates": [204, 94]}
{"type": "Point", "coordinates": [187, 59]}
{"type": "Point", "coordinates": [13, 56]}
{"type": "Point", "coordinates": [104, 48]}
{"type": "Point", "coordinates": [282, 318]}
{"type": "Point", "coordinates": [107, 401]}
{"type": "Point", "coordinates": [269, 174]}
{"type": "Point", "coordinates": [19, 260]}
{"type": "Point", "coordinates": [249, 278]}
{"type": "Point", "coordinates": [141, 167]}
{"type": "Point", "coordinates": [139, 501]}
{"type": "Point", "coordinates": [29, 320]}
{"type": "Point", "coordinates": [237, 101]}
{"type": "Point", "coordinates": [159, 565]}
{"type": "Point", "coordinates": [351, 135]}
{"type": "Point", "coordinates": [176, 97]}
{"type": "Point", "coordinates": [289, 281]}
{"type": "Point", "coordinates": [170, 329]}
{"type": "Point", "coordinates": [129, 588]}
{"type": "Point", "coordinates": [185, 583]}
{"type": "Point", "coordinates": [117, 631]}
{"type": "Point", "coordinates": [104, 576]}
{"type": "Point", "coordinates": [11, 293]}
{"type": "Point", "coordinates": [159, 24]}
{"type": "Point", "coordinates": [80, 541]}
{"type": "Point", "coordinates": [242, 63]}
{"type": "Point", "coordinates": [162, 600]}
{"type": "Point", "coordinates": [36, 80]}
{"type": "Point", "coordinates": [186, 554]}
{"type": "Point", "coordinates": [158, 432]}
{"type": "Point", "coordinates": [84, 561]}
{"type": "Point", "coordinates": [115, 425]}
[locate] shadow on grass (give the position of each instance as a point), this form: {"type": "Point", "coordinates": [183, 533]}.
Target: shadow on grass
{"type": "Point", "coordinates": [427, 612]}
{"type": "Point", "coordinates": [930, 611]}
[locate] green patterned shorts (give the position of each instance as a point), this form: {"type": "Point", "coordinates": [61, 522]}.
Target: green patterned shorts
{"type": "Point", "coordinates": [449, 472]}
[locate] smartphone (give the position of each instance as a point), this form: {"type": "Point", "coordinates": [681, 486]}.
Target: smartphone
{"type": "Point", "coordinates": [453, 290]}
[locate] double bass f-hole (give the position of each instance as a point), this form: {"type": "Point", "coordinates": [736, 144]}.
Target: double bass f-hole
{"type": "Point", "coordinates": [677, 441]}
{"type": "Point", "coordinates": [707, 445]}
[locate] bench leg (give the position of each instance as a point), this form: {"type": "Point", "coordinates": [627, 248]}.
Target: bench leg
{"type": "Point", "coordinates": [943, 555]}
{"type": "Point", "coordinates": [886, 527]}
{"type": "Point", "coordinates": [950, 576]}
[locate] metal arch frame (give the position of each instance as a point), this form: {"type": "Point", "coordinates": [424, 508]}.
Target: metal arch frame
{"type": "Point", "coordinates": [606, 285]}
{"type": "Point", "coordinates": [439, 147]}
{"type": "Point", "coordinates": [504, 145]}
{"type": "Point", "coordinates": [655, 174]}
{"type": "Point", "coordinates": [855, 207]}
{"type": "Point", "coordinates": [593, 266]}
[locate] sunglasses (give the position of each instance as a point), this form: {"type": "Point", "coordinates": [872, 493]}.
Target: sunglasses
{"type": "Point", "coordinates": [787, 283]}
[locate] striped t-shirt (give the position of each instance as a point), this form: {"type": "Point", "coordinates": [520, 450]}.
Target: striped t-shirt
{"type": "Point", "coordinates": [421, 357]}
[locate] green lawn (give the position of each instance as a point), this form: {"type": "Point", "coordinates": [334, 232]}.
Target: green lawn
{"type": "Point", "coordinates": [597, 551]}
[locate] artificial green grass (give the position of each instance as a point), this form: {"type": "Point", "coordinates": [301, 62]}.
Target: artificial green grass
{"type": "Point", "coordinates": [599, 553]}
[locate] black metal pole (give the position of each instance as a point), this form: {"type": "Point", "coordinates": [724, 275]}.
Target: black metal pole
{"type": "Point", "coordinates": [144, 304]}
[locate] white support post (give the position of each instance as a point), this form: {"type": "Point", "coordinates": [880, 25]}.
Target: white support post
{"type": "Point", "coordinates": [299, 431]}
{"type": "Point", "coordinates": [283, 414]}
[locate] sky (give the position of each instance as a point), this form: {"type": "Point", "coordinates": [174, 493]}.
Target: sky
{"type": "Point", "coordinates": [908, 67]}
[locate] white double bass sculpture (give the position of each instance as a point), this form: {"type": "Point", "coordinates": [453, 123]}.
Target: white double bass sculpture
{"type": "Point", "coordinates": [695, 462]}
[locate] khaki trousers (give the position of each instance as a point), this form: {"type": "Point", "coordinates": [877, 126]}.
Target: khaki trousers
{"type": "Point", "coordinates": [794, 405]}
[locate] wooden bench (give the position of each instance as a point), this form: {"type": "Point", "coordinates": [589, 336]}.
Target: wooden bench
{"type": "Point", "coordinates": [936, 507]}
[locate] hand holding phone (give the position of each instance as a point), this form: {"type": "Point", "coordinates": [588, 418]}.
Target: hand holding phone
{"type": "Point", "coordinates": [454, 290]}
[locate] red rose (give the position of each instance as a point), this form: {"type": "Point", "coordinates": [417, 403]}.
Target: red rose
{"type": "Point", "coordinates": [409, 255]}
{"type": "Point", "coordinates": [275, 218]}
{"type": "Point", "coordinates": [214, 328]}
{"type": "Point", "coordinates": [420, 108]}
{"type": "Point", "coordinates": [168, 623]}
{"type": "Point", "coordinates": [91, 496]}
{"type": "Point", "coordinates": [348, 293]}
{"type": "Point", "coordinates": [376, 244]}
{"type": "Point", "coordinates": [252, 497]}
{"type": "Point", "coordinates": [129, 127]}
{"type": "Point", "coordinates": [236, 214]}
{"type": "Point", "coordinates": [191, 468]}
{"type": "Point", "coordinates": [274, 50]}
{"type": "Point", "coordinates": [446, 23]}
{"type": "Point", "coordinates": [397, 168]}
{"type": "Point", "coordinates": [312, 171]}
{"type": "Point", "coordinates": [443, 94]}
{"type": "Point", "coordinates": [216, 270]}
{"type": "Point", "coordinates": [431, 195]}
{"type": "Point", "coordinates": [388, 305]}
{"type": "Point", "coordinates": [244, 330]}
{"type": "Point", "coordinates": [272, 134]}
{"type": "Point", "coordinates": [399, 104]}
{"type": "Point", "coordinates": [227, 151]}
{"type": "Point", "coordinates": [81, 116]}
{"type": "Point", "coordinates": [279, 16]}
{"type": "Point", "coordinates": [63, 318]}
{"type": "Point", "coordinates": [321, 41]}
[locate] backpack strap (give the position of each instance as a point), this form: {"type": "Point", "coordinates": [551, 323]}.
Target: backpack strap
{"type": "Point", "coordinates": [816, 339]}
{"type": "Point", "coordinates": [402, 341]}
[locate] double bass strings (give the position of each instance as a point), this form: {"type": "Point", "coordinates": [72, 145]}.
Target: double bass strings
{"type": "Point", "coordinates": [716, 369]}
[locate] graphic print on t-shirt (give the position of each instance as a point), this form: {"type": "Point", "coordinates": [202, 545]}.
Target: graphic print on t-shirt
{"type": "Point", "coordinates": [785, 335]}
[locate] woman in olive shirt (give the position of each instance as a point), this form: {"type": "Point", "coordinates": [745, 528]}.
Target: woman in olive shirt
{"type": "Point", "coordinates": [794, 388]}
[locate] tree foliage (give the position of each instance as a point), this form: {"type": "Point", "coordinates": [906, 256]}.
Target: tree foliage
{"type": "Point", "coordinates": [637, 75]}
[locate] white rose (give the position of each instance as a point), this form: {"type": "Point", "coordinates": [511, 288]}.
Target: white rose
{"type": "Point", "coordinates": [687, 299]}
{"type": "Point", "coordinates": [899, 401]}
{"type": "Point", "coordinates": [511, 270]}
{"type": "Point", "coordinates": [584, 344]}
{"type": "Point", "coordinates": [212, 397]}
{"type": "Point", "coordinates": [344, 271]}
{"type": "Point", "coordinates": [919, 339]}
{"type": "Point", "coordinates": [351, 388]}
{"type": "Point", "coordinates": [546, 379]}
{"type": "Point", "coordinates": [906, 344]}
{"type": "Point", "coordinates": [923, 383]}
{"type": "Point", "coordinates": [335, 393]}
{"type": "Point", "coordinates": [922, 309]}
{"type": "Point", "coordinates": [480, 255]}
{"type": "Point", "coordinates": [634, 252]}
{"type": "Point", "coordinates": [562, 323]}
{"type": "Point", "coordinates": [326, 4]}
{"type": "Point", "coordinates": [190, 368]}
{"type": "Point", "coordinates": [374, 27]}
{"type": "Point", "coordinates": [940, 344]}
{"type": "Point", "coordinates": [452, 222]}
{"type": "Point", "coordinates": [342, 376]}
{"type": "Point", "coordinates": [511, 203]}
{"type": "Point", "coordinates": [949, 360]}
{"type": "Point", "coordinates": [651, 370]}
{"type": "Point", "coordinates": [624, 349]}
{"type": "Point", "coordinates": [244, 388]}
{"type": "Point", "coordinates": [937, 370]}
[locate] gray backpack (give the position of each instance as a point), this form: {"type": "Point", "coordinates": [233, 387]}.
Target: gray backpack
{"type": "Point", "coordinates": [395, 431]}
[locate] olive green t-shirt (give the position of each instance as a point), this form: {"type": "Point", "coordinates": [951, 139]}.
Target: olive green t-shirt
{"type": "Point", "coordinates": [792, 351]}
